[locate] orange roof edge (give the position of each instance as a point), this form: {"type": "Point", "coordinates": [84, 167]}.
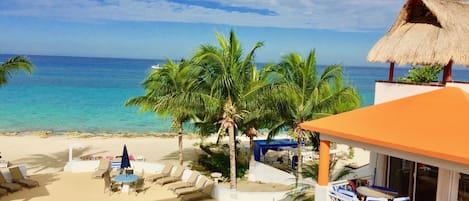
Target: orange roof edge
{"type": "Point", "coordinates": [431, 124]}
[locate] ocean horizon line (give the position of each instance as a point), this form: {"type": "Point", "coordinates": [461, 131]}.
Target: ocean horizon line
{"type": "Point", "coordinates": [161, 60]}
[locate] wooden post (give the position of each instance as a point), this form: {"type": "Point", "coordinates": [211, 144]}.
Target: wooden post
{"type": "Point", "coordinates": [447, 71]}
{"type": "Point", "coordinates": [391, 71]}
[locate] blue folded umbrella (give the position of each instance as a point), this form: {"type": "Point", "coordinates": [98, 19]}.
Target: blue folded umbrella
{"type": "Point", "coordinates": [125, 162]}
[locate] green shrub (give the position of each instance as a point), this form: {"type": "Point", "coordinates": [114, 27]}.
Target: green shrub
{"type": "Point", "coordinates": [219, 162]}
{"type": "Point", "coordinates": [422, 74]}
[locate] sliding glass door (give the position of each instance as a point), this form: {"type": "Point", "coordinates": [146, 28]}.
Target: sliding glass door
{"type": "Point", "coordinates": [416, 180]}
{"type": "Point", "coordinates": [463, 194]}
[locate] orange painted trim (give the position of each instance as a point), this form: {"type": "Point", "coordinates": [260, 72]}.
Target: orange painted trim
{"type": "Point", "coordinates": [324, 157]}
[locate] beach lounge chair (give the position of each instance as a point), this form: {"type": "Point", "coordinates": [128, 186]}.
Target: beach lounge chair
{"type": "Point", "coordinates": [201, 194]}
{"type": "Point", "coordinates": [164, 173]}
{"type": "Point", "coordinates": [198, 187]}
{"type": "Point", "coordinates": [182, 184]}
{"type": "Point", "coordinates": [3, 192]}
{"type": "Point", "coordinates": [10, 187]}
{"type": "Point", "coordinates": [176, 176]}
{"type": "Point", "coordinates": [110, 185]}
{"type": "Point", "coordinates": [18, 177]}
{"type": "Point", "coordinates": [104, 166]}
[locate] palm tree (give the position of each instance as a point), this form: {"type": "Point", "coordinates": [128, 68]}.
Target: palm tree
{"type": "Point", "coordinates": [254, 94]}
{"type": "Point", "coordinates": [226, 72]}
{"type": "Point", "coordinates": [172, 90]}
{"type": "Point", "coordinates": [12, 65]}
{"type": "Point", "coordinates": [302, 95]}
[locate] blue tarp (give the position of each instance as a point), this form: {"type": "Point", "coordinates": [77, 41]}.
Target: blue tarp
{"type": "Point", "coordinates": [263, 145]}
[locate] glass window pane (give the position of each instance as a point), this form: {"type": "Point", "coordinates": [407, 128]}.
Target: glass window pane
{"type": "Point", "coordinates": [400, 176]}
{"type": "Point", "coordinates": [426, 182]}
{"type": "Point", "coordinates": [463, 194]}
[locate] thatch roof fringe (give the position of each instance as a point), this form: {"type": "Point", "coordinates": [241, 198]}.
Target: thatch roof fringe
{"type": "Point", "coordinates": [426, 32]}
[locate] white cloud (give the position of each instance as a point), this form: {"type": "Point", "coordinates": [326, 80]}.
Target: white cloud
{"type": "Point", "coordinates": [349, 15]}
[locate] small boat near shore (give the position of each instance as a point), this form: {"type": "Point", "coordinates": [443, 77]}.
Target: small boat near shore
{"type": "Point", "coordinates": [156, 66]}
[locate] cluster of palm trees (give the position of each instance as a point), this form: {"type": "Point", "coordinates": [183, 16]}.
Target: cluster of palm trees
{"type": "Point", "coordinates": [221, 90]}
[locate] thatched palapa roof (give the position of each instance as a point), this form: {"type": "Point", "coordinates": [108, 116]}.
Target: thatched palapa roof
{"type": "Point", "coordinates": [426, 32]}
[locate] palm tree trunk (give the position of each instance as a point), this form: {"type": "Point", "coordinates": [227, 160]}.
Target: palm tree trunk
{"type": "Point", "coordinates": [180, 147]}
{"type": "Point", "coordinates": [180, 129]}
{"type": "Point", "coordinates": [251, 153]}
{"type": "Point", "coordinates": [300, 156]}
{"type": "Point", "coordinates": [232, 157]}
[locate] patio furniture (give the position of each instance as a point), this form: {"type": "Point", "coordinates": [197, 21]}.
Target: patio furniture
{"type": "Point", "coordinates": [216, 176]}
{"type": "Point", "coordinates": [198, 186]}
{"type": "Point", "coordinates": [339, 193]}
{"type": "Point", "coordinates": [176, 176]}
{"type": "Point", "coordinates": [373, 192]}
{"type": "Point", "coordinates": [19, 178]}
{"type": "Point", "coordinates": [10, 187]}
{"type": "Point", "coordinates": [376, 199]}
{"type": "Point", "coordinates": [139, 186]}
{"type": "Point", "coordinates": [110, 185]}
{"type": "Point", "coordinates": [126, 180]}
{"type": "Point", "coordinates": [4, 164]}
{"type": "Point", "coordinates": [164, 173]}
{"type": "Point", "coordinates": [3, 192]}
{"type": "Point", "coordinates": [401, 199]}
{"type": "Point", "coordinates": [182, 184]}
{"type": "Point", "coordinates": [103, 167]}
{"type": "Point", "coordinates": [204, 193]}
{"type": "Point", "coordinates": [129, 171]}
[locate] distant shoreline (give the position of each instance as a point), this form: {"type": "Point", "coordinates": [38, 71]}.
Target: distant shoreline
{"type": "Point", "coordinates": [83, 134]}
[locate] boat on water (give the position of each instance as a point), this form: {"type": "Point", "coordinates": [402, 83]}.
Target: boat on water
{"type": "Point", "coordinates": [156, 66]}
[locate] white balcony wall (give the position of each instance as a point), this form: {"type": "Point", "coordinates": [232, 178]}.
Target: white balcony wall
{"type": "Point", "coordinates": [387, 91]}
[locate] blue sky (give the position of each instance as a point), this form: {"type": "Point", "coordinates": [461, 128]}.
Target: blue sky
{"type": "Point", "coordinates": [341, 31]}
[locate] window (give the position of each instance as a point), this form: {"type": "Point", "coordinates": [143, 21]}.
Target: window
{"type": "Point", "coordinates": [463, 194]}
{"type": "Point", "coordinates": [416, 180]}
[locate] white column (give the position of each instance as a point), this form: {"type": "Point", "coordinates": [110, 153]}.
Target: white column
{"type": "Point", "coordinates": [447, 186]}
{"type": "Point", "coordinates": [321, 193]}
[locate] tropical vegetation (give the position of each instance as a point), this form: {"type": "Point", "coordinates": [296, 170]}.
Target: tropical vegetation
{"type": "Point", "coordinates": [304, 190]}
{"type": "Point", "coordinates": [302, 94]}
{"type": "Point", "coordinates": [422, 74]}
{"type": "Point", "coordinates": [220, 90]}
{"type": "Point", "coordinates": [13, 65]}
{"type": "Point", "coordinates": [170, 90]}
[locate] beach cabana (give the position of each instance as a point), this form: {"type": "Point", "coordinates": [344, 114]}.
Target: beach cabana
{"type": "Point", "coordinates": [426, 32]}
{"type": "Point", "coordinates": [423, 138]}
{"type": "Point", "coordinates": [261, 146]}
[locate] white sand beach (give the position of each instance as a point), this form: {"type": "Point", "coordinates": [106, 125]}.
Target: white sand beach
{"type": "Point", "coordinates": [45, 158]}
{"type": "Point", "coordinates": [50, 154]}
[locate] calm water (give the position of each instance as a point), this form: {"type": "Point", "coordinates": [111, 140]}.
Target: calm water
{"type": "Point", "coordinates": [87, 94]}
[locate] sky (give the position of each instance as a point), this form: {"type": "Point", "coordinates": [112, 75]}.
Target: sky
{"type": "Point", "coordinates": [341, 31]}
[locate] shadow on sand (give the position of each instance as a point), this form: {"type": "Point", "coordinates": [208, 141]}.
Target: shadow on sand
{"type": "Point", "coordinates": [30, 193]}
{"type": "Point", "coordinates": [55, 161]}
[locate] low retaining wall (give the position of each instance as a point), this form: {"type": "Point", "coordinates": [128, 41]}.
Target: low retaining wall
{"type": "Point", "coordinates": [268, 174]}
{"type": "Point", "coordinates": [225, 194]}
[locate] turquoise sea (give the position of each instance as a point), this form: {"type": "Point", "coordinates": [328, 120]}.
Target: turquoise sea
{"type": "Point", "coordinates": [87, 94]}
